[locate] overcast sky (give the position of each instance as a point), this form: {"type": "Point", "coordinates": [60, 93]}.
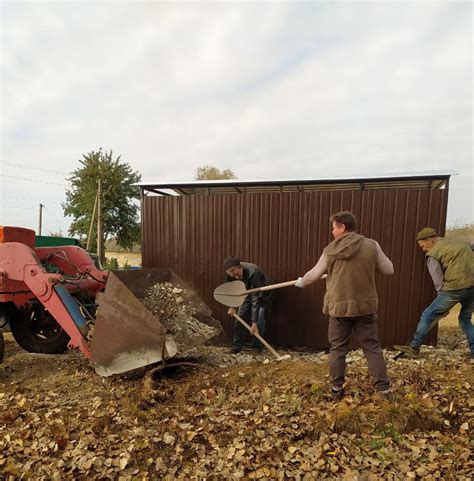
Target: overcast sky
{"type": "Point", "coordinates": [271, 90]}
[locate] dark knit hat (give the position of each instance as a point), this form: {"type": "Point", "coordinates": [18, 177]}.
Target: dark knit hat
{"type": "Point", "coordinates": [231, 261]}
{"type": "Point", "coordinates": [426, 233]}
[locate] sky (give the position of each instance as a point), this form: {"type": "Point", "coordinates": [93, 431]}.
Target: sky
{"type": "Point", "coordinates": [271, 90]}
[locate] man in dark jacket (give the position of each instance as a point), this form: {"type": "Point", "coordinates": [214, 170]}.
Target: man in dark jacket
{"type": "Point", "coordinates": [255, 305]}
{"type": "Point", "coordinates": [351, 301]}
{"type": "Point", "coordinates": [451, 265]}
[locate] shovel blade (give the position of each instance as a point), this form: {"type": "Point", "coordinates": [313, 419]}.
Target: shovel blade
{"type": "Point", "coordinates": [229, 301]}
{"type": "Point", "coordinates": [231, 294]}
{"type": "Point", "coordinates": [126, 334]}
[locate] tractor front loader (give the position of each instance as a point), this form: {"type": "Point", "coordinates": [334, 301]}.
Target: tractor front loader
{"type": "Point", "coordinates": [55, 298]}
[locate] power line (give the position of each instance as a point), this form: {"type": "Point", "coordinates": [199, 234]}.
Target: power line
{"type": "Point", "coordinates": [22, 208]}
{"type": "Point", "coordinates": [32, 208]}
{"type": "Point", "coordinates": [32, 180]}
{"type": "Point", "coordinates": [32, 167]}
{"type": "Point", "coordinates": [31, 200]}
{"type": "Point", "coordinates": [23, 214]}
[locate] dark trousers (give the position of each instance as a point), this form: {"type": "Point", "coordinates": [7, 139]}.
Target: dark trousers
{"type": "Point", "coordinates": [366, 331]}
{"type": "Point", "coordinates": [240, 332]}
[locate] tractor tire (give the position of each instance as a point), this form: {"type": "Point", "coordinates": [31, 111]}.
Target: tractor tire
{"type": "Point", "coordinates": [35, 330]}
{"type": "Point", "coordinates": [2, 346]}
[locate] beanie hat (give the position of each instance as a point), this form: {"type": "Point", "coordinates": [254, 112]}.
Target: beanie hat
{"type": "Point", "coordinates": [231, 261]}
{"type": "Point", "coordinates": [426, 233]}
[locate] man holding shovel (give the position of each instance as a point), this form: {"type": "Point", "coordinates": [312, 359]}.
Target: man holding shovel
{"type": "Point", "coordinates": [351, 261]}
{"type": "Point", "coordinates": [254, 306]}
{"type": "Point", "coordinates": [451, 265]}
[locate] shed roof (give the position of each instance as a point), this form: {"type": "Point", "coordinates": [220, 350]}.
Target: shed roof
{"type": "Point", "coordinates": [424, 181]}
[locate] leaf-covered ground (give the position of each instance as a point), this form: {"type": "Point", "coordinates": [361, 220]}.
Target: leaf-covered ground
{"type": "Point", "coordinates": [245, 419]}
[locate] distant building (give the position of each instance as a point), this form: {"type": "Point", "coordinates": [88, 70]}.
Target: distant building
{"type": "Point", "coordinates": [132, 257]}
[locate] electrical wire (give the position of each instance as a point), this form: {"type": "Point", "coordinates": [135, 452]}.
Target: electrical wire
{"type": "Point", "coordinates": [32, 180]}
{"type": "Point", "coordinates": [31, 208]}
{"type": "Point", "coordinates": [32, 167]}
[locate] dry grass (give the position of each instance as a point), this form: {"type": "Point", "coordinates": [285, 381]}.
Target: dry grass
{"type": "Point", "coordinates": [451, 320]}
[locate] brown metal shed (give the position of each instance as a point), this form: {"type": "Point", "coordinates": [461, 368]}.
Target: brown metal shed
{"type": "Point", "coordinates": [283, 227]}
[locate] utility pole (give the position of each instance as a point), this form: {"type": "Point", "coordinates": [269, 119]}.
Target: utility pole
{"type": "Point", "coordinates": [40, 218]}
{"type": "Point", "coordinates": [89, 237]}
{"type": "Point", "coordinates": [99, 222]}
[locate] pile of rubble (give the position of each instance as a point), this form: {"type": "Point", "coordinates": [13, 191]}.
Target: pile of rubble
{"type": "Point", "coordinates": [168, 301]}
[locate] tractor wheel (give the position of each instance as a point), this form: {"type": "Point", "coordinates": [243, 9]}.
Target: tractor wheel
{"type": "Point", "coordinates": [35, 330]}
{"type": "Point", "coordinates": [2, 346]}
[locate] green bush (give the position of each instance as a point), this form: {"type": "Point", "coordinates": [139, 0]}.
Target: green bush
{"type": "Point", "coordinates": [111, 264]}
{"type": "Point", "coordinates": [126, 266]}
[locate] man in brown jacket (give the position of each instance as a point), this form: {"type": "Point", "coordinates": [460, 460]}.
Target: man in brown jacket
{"type": "Point", "coordinates": [351, 261]}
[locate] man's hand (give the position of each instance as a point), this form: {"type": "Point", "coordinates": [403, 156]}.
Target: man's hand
{"type": "Point", "coordinates": [231, 311]}
{"type": "Point", "coordinates": [299, 282]}
{"type": "Point", "coordinates": [254, 329]}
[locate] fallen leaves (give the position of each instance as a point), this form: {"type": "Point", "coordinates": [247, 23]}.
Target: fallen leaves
{"type": "Point", "coordinates": [252, 421]}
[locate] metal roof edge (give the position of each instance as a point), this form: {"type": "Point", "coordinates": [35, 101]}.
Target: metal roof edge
{"type": "Point", "coordinates": [325, 180]}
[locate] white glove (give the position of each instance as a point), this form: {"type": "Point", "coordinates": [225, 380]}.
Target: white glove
{"type": "Point", "coordinates": [299, 282]}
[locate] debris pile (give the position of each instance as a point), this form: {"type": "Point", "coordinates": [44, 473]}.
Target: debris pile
{"type": "Point", "coordinates": [179, 317]}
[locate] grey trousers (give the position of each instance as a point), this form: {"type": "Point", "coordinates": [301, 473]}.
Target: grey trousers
{"type": "Point", "coordinates": [365, 329]}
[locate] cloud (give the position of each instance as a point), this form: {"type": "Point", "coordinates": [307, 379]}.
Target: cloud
{"type": "Point", "coordinates": [271, 90]}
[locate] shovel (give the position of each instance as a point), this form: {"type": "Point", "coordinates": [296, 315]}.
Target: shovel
{"type": "Point", "coordinates": [232, 294]}
{"type": "Point", "coordinates": [262, 340]}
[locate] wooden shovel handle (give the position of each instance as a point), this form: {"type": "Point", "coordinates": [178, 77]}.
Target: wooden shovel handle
{"type": "Point", "coordinates": [271, 287]}
{"type": "Point", "coordinates": [276, 286]}
{"type": "Point", "coordinates": [258, 336]}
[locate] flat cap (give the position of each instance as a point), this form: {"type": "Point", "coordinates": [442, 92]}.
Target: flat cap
{"type": "Point", "coordinates": [426, 233]}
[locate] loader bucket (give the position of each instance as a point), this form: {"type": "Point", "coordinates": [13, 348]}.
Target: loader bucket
{"type": "Point", "coordinates": [126, 334]}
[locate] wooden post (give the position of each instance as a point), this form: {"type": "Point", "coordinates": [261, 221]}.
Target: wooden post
{"type": "Point", "coordinates": [40, 224]}
{"type": "Point", "coordinates": [89, 237]}
{"type": "Point", "coordinates": [99, 223]}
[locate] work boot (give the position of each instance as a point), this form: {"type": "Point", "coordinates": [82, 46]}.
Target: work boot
{"type": "Point", "coordinates": [409, 351]}
{"type": "Point", "coordinates": [235, 350]}
{"type": "Point", "coordinates": [337, 394]}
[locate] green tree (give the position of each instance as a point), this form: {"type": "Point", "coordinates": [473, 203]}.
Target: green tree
{"type": "Point", "coordinates": [209, 172]}
{"type": "Point", "coordinates": [120, 208]}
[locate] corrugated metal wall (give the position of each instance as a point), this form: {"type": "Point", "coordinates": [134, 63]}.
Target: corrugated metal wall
{"type": "Point", "coordinates": [285, 234]}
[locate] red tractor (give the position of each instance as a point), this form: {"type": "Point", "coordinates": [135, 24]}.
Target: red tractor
{"type": "Point", "coordinates": [55, 298]}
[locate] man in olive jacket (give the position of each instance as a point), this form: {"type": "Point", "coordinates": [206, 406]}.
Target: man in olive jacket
{"type": "Point", "coordinates": [451, 265]}
{"type": "Point", "coordinates": [351, 301]}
